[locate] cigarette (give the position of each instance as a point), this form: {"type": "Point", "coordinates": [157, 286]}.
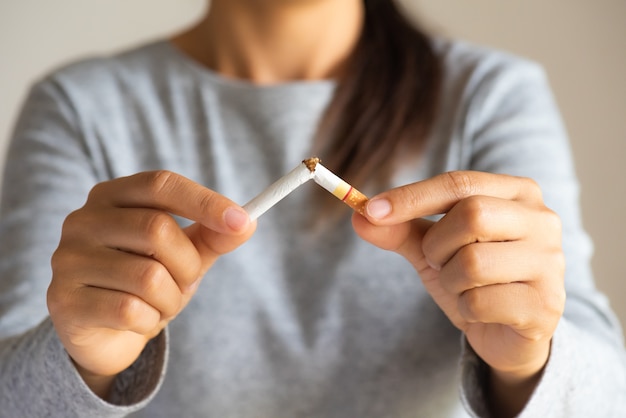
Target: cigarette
{"type": "Point", "coordinates": [307, 170]}
{"type": "Point", "coordinates": [278, 190]}
{"type": "Point", "coordinates": [339, 188]}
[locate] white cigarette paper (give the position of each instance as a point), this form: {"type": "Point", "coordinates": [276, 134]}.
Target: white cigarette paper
{"type": "Point", "coordinates": [277, 191]}
{"type": "Point", "coordinates": [307, 170]}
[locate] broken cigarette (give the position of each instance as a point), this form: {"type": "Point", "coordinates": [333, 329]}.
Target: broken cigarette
{"type": "Point", "coordinates": [307, 170]}
{"type": "Point", "coordinates": [278, 190]}
{"type": "Point", "coordinates": [339, 188]}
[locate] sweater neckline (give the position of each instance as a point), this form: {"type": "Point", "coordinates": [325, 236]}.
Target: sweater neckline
{"type": "Point", "coordinates": [237, 83]}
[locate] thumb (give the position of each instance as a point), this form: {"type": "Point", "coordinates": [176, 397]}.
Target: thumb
{"type": "Point", "coordinates": [406, 239]}
{"type": "Point", "coordinates": [387, 237]}
{"type": "Point", "coordinates": [403, 238]}
{"type": "Point", "coordinates": [211, 244]}
{"type": "Point", "coordinates": [437, 195]}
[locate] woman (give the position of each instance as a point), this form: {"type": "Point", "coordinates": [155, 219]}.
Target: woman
{"type": "Point", "coordinates": [300, 313]}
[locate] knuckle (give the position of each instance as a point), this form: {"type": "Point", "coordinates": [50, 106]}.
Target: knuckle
{"type": "Point", "coordinates": [207, 202]}
{"type": "Point", "coordinates": [535, 335]}
{"type": "Point", "coordinates": [528, 317]}
{"type": "Point", "coordinates": [130, 309]}
{"type": "Point", "coordinates": [65, 260]}
{"type": "Point", "coordinates": [560, 263]}
{"type": "Point", "coordinates": [174, 308]}
{"type": "Point", "coordinates": [155, 280]}
{"type": "Point", "coordinates": [553, 294]}
{"type": "Point", "coordinates": [194, 269]}
{"type": "Point", "coordinates": [152, 279]}
{"type": "Point", "coordinates": [54, 301]}
{"type": "Point", "coordinates": [461, 184]}
{"type": "Point", "coordinates": [97, 191]}
{"type": "Point", "coordinates": [74, 217]}
{"type": "Point", "coordinates": [429, 246]}
{"type": "Point", "coordinates": [531, 188]}
{"type": "Point", "coordinates": [57, 260]}
{"type": "Point", "coordinates": [553, 221]}
{"type": "Point", "coordinates": [476, 213]}
{"type": "Point", "coordinates": [160, 227]}
{"type": "Point", "coordinates": [159, 182]}
{"type": "Point", "coordinates": [75, 223]}
{"type": "Point", "coordinates": [471, 305]}
{"type": "Point", "coordinates": [61, 300]}
{"type": "Point", "coordinates": [554, 302]}
{"type": "Point", "coordinates": [470, 262]}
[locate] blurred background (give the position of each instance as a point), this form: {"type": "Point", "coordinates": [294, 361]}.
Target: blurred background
{"type": "Point", "coordinates": [581, 44]}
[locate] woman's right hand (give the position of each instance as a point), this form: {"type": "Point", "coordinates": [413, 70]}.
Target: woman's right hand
{"type": "Point", "coordinates": [124, 268]}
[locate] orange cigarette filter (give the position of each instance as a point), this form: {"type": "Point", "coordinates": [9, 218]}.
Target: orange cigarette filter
{"type": "Point", "coordinates": [337, 186]}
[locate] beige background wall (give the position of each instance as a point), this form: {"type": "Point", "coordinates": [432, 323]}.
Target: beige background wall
{"type": "Point", "coordinates": [581, 43]}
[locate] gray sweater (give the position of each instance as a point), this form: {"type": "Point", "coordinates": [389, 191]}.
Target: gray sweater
{"type": "Point", "coordinates": [293, 323]}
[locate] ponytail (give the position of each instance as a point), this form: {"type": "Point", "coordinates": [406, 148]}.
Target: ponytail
{"type": "Point", "coordinates": [386, 100]}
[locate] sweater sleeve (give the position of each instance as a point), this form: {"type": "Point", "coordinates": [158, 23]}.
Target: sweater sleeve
{"type": "Point", "coordinates": [512, 126]}
{"type": "Point", "coordinates": [48, 173]}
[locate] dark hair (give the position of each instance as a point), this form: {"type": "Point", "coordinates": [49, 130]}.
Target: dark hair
{"type": "Point", "coordinates": [386, 98]}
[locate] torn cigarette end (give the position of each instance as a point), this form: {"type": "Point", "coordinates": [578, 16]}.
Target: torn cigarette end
{"type": "Point", "coordinates": [311, 163]}
{"type": "Point", "coordinates": [308, 169]}
{"type": "Point", "coordinates": [278, 190]}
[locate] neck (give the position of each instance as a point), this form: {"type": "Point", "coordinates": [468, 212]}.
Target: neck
{"type": "Point", "coordinates": [274, 41]}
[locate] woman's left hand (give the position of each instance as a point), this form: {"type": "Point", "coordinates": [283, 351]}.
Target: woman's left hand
{"type": "Point", "coordinates": [493, 263]}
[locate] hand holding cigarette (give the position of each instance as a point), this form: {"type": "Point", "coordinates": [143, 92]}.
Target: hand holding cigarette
{"type": "Point", "coordinates": [124, 268]}
{"type": "Point", "coordinates": [307, 170]}
{"type": "Point", "coordinates": [494, 263]}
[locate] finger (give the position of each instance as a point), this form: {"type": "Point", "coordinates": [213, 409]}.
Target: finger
{"type": "Point", "coordinates": [148, 232]}
{"type": "Point", "coordinates": [518, 305]}
{"type": "Point", "coordinates": [439, 194]}
{"type": "Point", "coordinates": [483, 264]}
{"type": "Point", "coordinates": [211, 244]}
{"type": "Point", "coordinates": [404, 238]}
{"type": "Point", "coordinates": [387, 237]}
{"type": "Point", "coordinates": [478, 219]}
{"type": "Point", "coordinates": [129, 273]}
{"type": "Point", "coordinates": [175, 194]}
{"type": "Point", "coordinates": [93, 307]}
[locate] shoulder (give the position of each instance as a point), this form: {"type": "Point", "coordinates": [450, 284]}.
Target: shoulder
{"type": "Point", "coordinates": [495, 107]}
{"type": "Point", "coordinates": [473, 73]}
{"type": "Point", "coordinates": [481, 85]}
{"type": "Point", "coordinates": [138, 61]}
{"type": "Point", "coordinates": [106, 80]}
{"type": "Point", "coordinates": [462, 59]}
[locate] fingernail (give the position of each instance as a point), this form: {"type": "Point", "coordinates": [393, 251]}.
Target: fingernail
{"type": "Point", "coordinates": [378, 208]}
{"type": "Point", "coordinates": [432, 265]}
{"type": "Point", "coordinates": [194, 286]}
{"type": "Point", "coordinates": [236, 219]}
